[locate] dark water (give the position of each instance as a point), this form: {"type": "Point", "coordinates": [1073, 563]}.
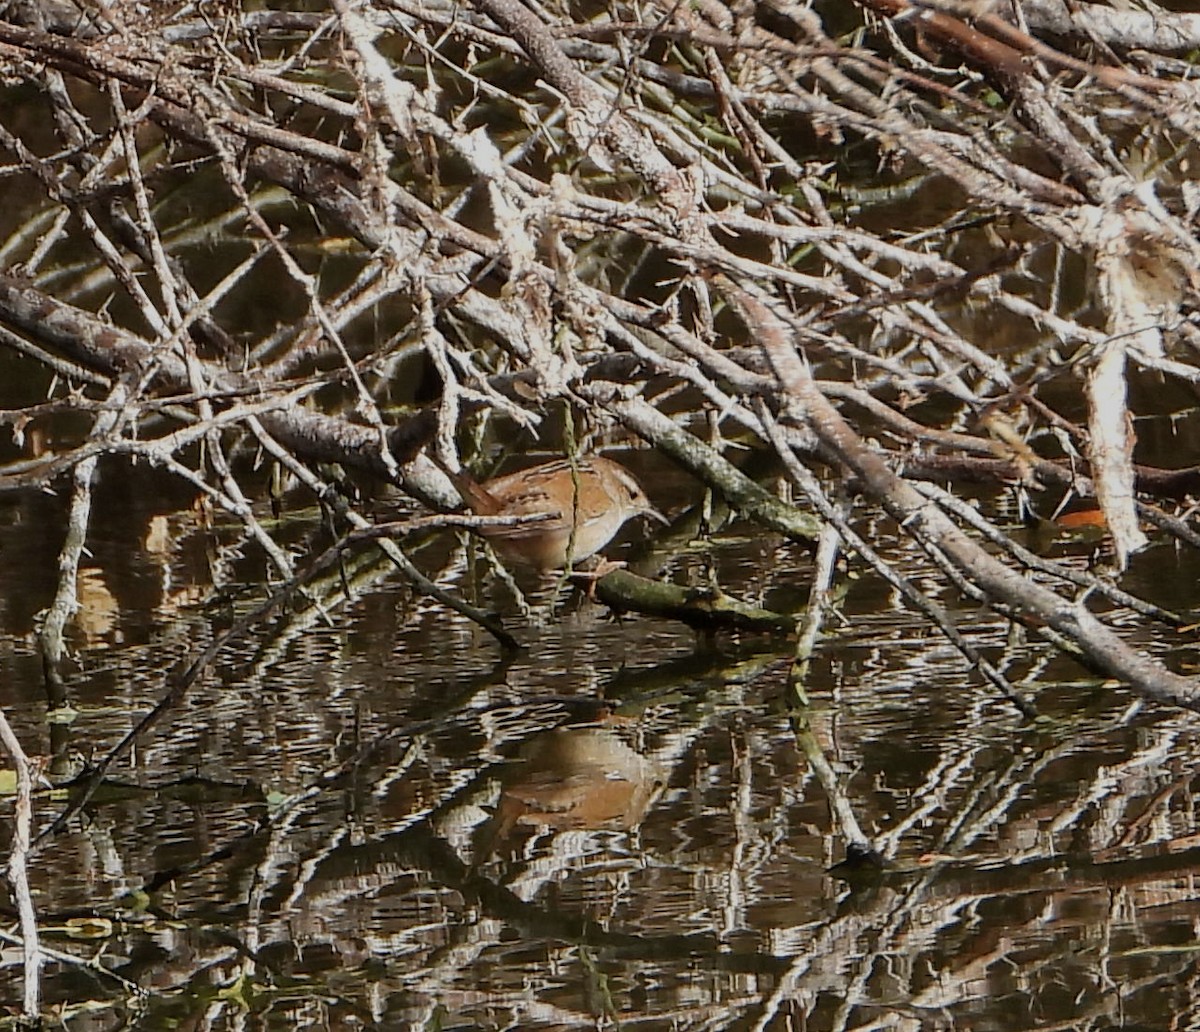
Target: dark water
{"type": "Point", "coordinates": [364, 816]}
{"type": "Point", "coordinates": [616, 828]}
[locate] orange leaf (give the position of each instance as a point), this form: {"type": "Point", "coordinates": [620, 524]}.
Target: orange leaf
{"type": "Point", "coordinates": [1083, 518]}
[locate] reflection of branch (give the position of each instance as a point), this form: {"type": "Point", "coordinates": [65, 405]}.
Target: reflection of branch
{"type": "Point", "coordinates": [421, 846]}
{"type": "Point", "coordinates": [18, 875]}
{"type": "Point", "coordinates": [181, 681]}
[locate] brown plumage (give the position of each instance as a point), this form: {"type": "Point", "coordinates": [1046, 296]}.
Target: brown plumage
{"type": "Point", "coordinates": [596, 495]}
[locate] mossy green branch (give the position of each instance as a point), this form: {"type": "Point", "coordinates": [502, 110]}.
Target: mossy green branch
{"type": "Point", "coordinates": [705, 608]}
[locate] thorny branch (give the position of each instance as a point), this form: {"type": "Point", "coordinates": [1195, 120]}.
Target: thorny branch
{"type": "Point", "coordinates": [527, 213]}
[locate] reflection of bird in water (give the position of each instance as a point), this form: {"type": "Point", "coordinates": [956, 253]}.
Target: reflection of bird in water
{"type": "Point", "coordinates": [98, 612]}
{"type": "Point", "coordinates": [579, 778]}
{"type": "Point", "coordinates": [588, 502]}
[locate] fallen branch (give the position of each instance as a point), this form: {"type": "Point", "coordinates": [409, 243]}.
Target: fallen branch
{"type": "Point", "coordinates": [805, 404]}
{"type": "Point", "coordinates": [705, 608]}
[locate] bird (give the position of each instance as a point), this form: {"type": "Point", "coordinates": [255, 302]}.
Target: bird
{"type": "Point", "coordinates": [587, 501]}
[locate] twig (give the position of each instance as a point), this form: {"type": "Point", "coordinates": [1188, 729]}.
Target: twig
{"type": "Point", "coordinates": [18, 873]}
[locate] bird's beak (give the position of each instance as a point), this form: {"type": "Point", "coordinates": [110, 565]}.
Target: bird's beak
{"type": "Point", "coordinates": [655, 514]}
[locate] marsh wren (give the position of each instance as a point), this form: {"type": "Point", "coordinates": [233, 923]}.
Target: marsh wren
{"type": "Point", "coordinates": [588, 501]}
